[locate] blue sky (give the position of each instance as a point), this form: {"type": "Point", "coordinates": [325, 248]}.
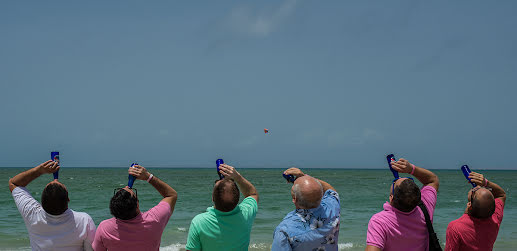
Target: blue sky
{"type": "Point", "coordinates": [337, 83]}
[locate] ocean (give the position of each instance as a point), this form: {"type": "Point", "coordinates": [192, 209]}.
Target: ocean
{"type": "Point", "coordinates": [362, 194]}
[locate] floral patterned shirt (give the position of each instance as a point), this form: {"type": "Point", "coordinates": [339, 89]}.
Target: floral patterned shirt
{"type": "Point", "coordinates": [310, 229]}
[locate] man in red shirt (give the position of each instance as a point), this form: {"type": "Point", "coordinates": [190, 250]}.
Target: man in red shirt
{"type": "Point", "coordinates": [477, 229]}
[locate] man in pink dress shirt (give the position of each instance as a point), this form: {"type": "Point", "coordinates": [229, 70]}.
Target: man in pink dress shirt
{"type": "Point", "coordinates": [130, 229]}
{"type": "Point", "coordinates": [401, 226]}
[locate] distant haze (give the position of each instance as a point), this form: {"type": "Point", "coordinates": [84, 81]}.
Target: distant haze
{"type": "Point", "coordinates": [337, 83]}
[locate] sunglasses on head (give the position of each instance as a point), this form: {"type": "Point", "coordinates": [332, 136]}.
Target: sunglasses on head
{"type": "Point", "coordinates": [395, 180]}
{"type": "Point", "coordinates": [474, 191]}
{"type": "Point", "coordinates": [122, 188]}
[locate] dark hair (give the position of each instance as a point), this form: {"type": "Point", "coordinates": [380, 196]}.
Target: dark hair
{"type": "Point", "coordinates": [221, 188]}
{"type": "Point", "coordinates": [123, 205]}
{"type": "Point", "coordinates": [481, 210]}
{"type": "Point", "coordinates": [406, 196]}
{"type": "Point", "coordinates": [54, 199]}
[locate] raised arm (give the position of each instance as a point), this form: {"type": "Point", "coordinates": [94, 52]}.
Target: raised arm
{"type": "Point", "coordinates": [425, 176]}
{"type": "Point", "coordinates": [169, 194]}
{"type": "Point", "coordinates": [24, 178]}
{"type": "Point", "coordinates": [298, 173]}
{"type": "Point", "coordinates": [247, 189]}
{"type": "Point", "coordinates": [480, 180]}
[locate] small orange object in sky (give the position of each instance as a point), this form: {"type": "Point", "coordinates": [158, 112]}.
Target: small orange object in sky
{"type": "Point", "coordinates": [266, 130]}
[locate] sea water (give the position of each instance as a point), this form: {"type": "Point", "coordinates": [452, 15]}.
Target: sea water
{"type": "Point", "coordinates": [362, 194]}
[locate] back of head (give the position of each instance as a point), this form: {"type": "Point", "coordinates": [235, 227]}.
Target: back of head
{"type": "Point", "coordinates": [226, 195]}
{"type": "Point", "coordinates": [308, 192]}
{"type": "Point", "coordinates": [123, 205]}
{"type": "Point", "coordinates": [406, 196]}
{"type": "Point", "coordinates": [54, 198]}
{"type": "Point", "coordinates": [483, 204]}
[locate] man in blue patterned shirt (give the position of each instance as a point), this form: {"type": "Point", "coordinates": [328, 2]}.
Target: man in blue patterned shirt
{"type": "Point", "coordinates": [314, 224]}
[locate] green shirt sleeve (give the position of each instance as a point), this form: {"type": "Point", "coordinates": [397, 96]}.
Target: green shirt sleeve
{"type": "Point", "coordinates": [193, 241]}
{"type": "Point", "coordinates": [249, 208]}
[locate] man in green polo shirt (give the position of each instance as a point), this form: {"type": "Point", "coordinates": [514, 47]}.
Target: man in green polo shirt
{"type": "Point", "coordinates": [226, 225]}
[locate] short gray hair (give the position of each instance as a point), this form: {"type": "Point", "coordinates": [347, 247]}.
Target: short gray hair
{"type": "Point", "coordinates": [301, 199]}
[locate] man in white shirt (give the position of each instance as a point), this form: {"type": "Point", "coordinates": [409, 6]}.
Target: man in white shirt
{"type": "Point", "coordinates": [51, 225]}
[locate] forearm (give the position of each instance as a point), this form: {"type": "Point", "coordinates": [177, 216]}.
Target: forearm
{"type": "Point", "coordinates": [24, 178]}
{"type": "Point", "coordinates": [497, 191]}
{"type": "Point", "coordinates": [427, 177]}
{"type": "Point", "coordinates": [163, 188]}
{"type": "Point", "coordinates": [247, 189]}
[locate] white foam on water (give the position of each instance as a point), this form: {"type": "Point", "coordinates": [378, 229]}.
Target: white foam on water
{"type": "Point", "coordinates": [173, 247]}
{"type": "Point", "coordinates": [345, 246]}
{"type": "Point", "coordinates": [262, 246]}
{"type": "Point", "coordinates": [182, 229]}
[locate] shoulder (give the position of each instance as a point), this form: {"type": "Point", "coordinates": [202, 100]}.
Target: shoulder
{"type": "Point", "coordinates": [464, 220]}
{"type": "Point", "coordinates": [428, 190]}
{"type": "Point", "coordinates": [330, 199]}
{"type": "Point", "coordinates": [331, 194]}
{"type": "Point", "coordinates": [378, 219]}
{"type": "Point", "coordinates": [81, 215]}
{"type": "Point", "coordinates": [249, 201]}
{"type": "Point", "coordinates": [18, 190]}
{"type": "Point", "coordinates": [453, 224]}
{"type": "Point", "coordinates": [499, 210]}
{"type": "Point", "coordinates": [290, 221]}
{"type": "Point", "coordinates": [201, 217]}
{"type": "Point", "coordinates": [21, 193]}
{"type": "Point", "coordinates": [457, 226]}
{"type": "Point", "coordinates": [249, 206]}
{"type": "Point", "coordinates": [499, 203]}
{"type": "Point", "coordinates": [162, 208]}
{"type": "Point", "coordinates": [429, 196]}
{"type": "Point", "coordinates": [106, 224]}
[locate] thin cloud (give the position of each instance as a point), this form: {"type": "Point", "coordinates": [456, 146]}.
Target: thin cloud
{"type": "Point", "coordinates": [245, 20]}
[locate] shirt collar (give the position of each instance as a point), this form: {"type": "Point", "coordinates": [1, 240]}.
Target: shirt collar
{"type": "Point", "coordinates": [213, 210]}
{"type": "Point", "coordinates": [138, 217]}
{"type": "Point", "coordinates": [388, 207]}
{"type": "Point", "coordinates": [64, 214]}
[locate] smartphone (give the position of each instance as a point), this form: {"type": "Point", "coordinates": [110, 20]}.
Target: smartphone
{"type": "Point", "coordinates": [391, 158]}
{"type": "Point", "coordinates": [54, 156]}
{"type": "Point", "coordinates": [289, 177]}
{"type": "Point", "coordinates": [131, 178]}
{"type": "Point", "coordinates": [217, 163]}
{"type": "Point", "coordinates": [466, 171]}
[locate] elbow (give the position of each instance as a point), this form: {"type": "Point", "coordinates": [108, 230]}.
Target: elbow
{"type": "Point", "coordinates": [12, 186]}
{"type": "Point", "coordinates": [174, 196]}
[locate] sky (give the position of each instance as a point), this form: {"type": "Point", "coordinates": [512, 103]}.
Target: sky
{"type": "Point", "coordinates": [339, 84]}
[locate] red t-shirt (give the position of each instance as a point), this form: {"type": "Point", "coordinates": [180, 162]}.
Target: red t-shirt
{"type": "Point", "coordinates": [469, 233]}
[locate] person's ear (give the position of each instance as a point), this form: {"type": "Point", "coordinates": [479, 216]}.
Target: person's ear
{"type": "Point", "coordinates": [391, 198]}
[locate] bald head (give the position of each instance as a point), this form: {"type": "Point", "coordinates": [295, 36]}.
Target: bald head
{"type": "Point", "coordinates": [307, 192]}
{"type": "Point", "coordinates": [482, 203]}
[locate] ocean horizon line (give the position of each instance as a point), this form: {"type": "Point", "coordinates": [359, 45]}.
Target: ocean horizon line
{"type": "Point", "coordinates": [280, 168]}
